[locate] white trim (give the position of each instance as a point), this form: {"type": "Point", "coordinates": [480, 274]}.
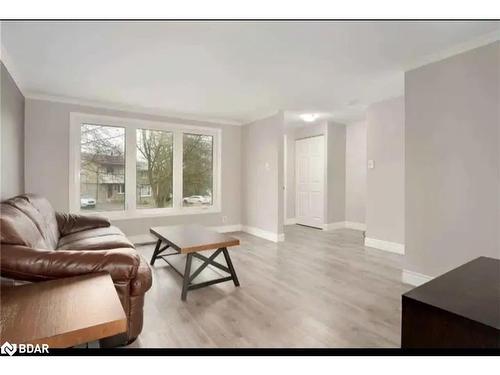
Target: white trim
{"type": "Point", "coordinates": [291, 221]}
{"type": "Point", "coordinates": [285, 180]}
{"type": "Point", "coordinates": [133, 109]}
{"type": "Point", "coordinates": [11, 68]}
{"type": "Point", "coordinates": [154, 212]}
{"type": "Point", "coordinates": [335, 225]}
{"type": "Point", "coordinates": [414, 278]}
{"type": "Point", "coordinates": [455, 50]}
{"type": "Point", "coordinates": [131, 124]}
{"type": "Point", "coordinates": [392, 247]}
{"type": "Point", "coordinates": [324, 135]}
{"type": "Point", "coordinates": [261, 116]}
{"type": "Point", "coordinates": [355, 225]}
{"type": "Point", "coordinates": [270, 236]}
{"type": "Point", "coordinates": [228, 228]}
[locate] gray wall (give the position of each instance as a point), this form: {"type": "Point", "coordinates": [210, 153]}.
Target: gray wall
{"type": "Point", "coordinates": [452, 161]}
{"type": "Point", "coordinates": [47, 162]}
{"type": "Point", "coordinates": [336, 172]}
{"type": "Point", "coordinates": [262, 174]}
{"type": "Point", "coordinates": [355, 179]}
{"type": "Point", "coordinates": [12, 135]}
{"type": "Point", "coordinates": [385, 203]}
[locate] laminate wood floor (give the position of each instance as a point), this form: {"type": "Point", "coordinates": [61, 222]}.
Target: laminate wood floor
{"type": "Point", "coordinates": [315, 289]}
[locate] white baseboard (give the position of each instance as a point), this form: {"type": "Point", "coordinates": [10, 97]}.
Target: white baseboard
{"type": "Point", "coordinates": [355, 225]}
{"type": "Point", "coordinates": [392, 247]}
{"type": "Point", "coordinates": [335, 225]}
{"type": "Point", "coordinates": [270, 236]}
{"type": "Point", "coordinates": [291, 221]}
{"type": "Point", "coordinates": [414, 278]}
{"type": "Point", "coordinates": [228, 228]}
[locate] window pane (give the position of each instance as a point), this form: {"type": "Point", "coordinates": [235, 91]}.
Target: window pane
{"type": "Point", "coordinates": [197, 172]}
{"type": "Point", "coordinates": [102, 168]}
{"type": "Point", "coordinates": [154, 168]}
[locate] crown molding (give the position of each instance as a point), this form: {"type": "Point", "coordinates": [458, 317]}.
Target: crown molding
{"type": "Point", "coordinates": [128, 108]}
{"type": "Point", "coordinates": [11, 67]}
{"type": "Point", "coordinates": [455, 50]}
{"type": "Point", "coordinates": [264, 115]}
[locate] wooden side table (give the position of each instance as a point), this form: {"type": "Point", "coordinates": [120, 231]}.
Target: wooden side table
{"type": "Point", "coordinates": [62, 313]}
{"type": "Point", "coordinates": [460, 309]}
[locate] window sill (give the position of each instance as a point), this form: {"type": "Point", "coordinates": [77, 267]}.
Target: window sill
{"type": "Point", "coordinates": [152, 213]}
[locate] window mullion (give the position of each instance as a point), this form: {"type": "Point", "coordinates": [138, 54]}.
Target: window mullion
{"type": "Point", "coordinates": [177, 170]}
{"type": "Point", "coordinates": [130, 169]}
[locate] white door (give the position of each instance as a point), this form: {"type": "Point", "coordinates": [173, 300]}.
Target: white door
{"type": "Point", "coordinates": [310, 177]}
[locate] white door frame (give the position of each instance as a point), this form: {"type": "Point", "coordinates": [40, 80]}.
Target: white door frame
{"type": "Point", "coordinates": [325, 177]}
{"type": "Point", "coordinates": [285, 180]}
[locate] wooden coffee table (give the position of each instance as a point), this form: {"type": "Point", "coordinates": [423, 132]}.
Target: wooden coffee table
{"type": "Point", "coordinates": [63, 312]}
{"type": "Point", "coordinates": [190, 240]}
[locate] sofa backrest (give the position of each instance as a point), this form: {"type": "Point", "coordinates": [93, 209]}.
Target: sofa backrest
{"type": "Point", "coordinates": [47, 218]}
{"type": "Point", "coordinates": [29, 220]}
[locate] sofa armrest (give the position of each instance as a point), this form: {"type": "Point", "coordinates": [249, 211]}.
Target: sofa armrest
{"type": "Point", "coordinates": [24, 263]}
{"type": "Point", "coordinates": [143, 280]}
{"type": "Point", "coordinates": [71, 223]}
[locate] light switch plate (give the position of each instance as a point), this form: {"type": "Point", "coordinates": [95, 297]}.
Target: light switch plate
{"type": "Point", "coordinates": [371, 164]}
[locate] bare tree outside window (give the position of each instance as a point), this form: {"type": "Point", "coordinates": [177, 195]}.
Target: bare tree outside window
{"type": "Point", "coordinates": [102, 168]}
{"type": "Point", "coordinates": [197, 170]}
{"type": "Point", "coordinates": [154, 168]}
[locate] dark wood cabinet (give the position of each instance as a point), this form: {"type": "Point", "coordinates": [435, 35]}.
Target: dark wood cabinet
{"type": "Point", "coordinates": [460, 309]}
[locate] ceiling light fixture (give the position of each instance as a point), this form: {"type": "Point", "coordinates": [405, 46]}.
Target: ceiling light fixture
{"type": "Point", "coordinates": [309, 117]}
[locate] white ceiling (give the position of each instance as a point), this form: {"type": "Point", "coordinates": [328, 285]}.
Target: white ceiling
{"type": "Point", "coordinates": [234, 71]}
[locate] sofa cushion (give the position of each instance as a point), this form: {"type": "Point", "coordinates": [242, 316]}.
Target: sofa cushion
{"type": "Point", "coordinates": [111, 241]}
{"type": "Point", "coordinates": [90, 233]}
{"type": "Point", "coordinates": [17, 228]}
{"type": "Point", "coordinates": [72, 223]}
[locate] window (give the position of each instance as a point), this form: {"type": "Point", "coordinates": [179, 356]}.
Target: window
{"type": "Point", "coordinates": [197, 170]}
{"type": "Point", "coordinates": [144, 191]}
{"type": "Point", "coordinates": [102, 167]}
{"type": "Point", "coordinates": [154, 168]}
{"type": "Point", "coordinates": [135, 168]}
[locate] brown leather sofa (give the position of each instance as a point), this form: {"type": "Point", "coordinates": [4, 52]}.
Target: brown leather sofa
{"type": "Point", "coordinates": [39, 244]}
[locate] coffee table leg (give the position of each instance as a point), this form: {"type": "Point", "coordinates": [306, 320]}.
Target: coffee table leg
{"type": "Point", "coordinates": [230, 266]}
{"type": "Point", "coordinates": [155, 253]}
{"type": "Point", "coordinates": [187, 276]}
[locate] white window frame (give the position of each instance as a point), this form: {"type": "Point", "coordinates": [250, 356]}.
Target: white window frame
{"type": "Point", "coordinates": [131, 125]}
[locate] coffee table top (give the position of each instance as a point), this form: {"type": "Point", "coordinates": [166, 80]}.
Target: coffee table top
{"type": "Point", "coordinates": [62, 313]}
{"type": "Point", "coordinates": [192, 238]}
{"type": "Point", "coordinates": [471, 291]}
